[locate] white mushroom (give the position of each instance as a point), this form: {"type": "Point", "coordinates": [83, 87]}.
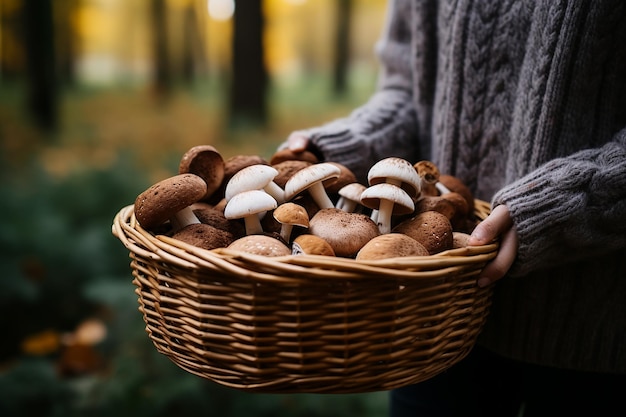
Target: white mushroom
{"type": "Point", "coordinates": [311, 179]}
{"type": "Point", "coordinates": [396, 171]}
{"type": "Point", "coordinates": [255, 177]}
{"type": "Point", "coordinates": [388, 199]}
{"type": "Point", "coordinates": [349, 196]}
{"type": "Point", "coordinates": [248, 205]}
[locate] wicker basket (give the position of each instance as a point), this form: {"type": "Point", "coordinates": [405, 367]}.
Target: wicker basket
{"type": "Point", "coordinates": [304, 323]}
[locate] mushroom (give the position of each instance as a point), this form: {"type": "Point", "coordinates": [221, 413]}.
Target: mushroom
{"type": "Point", "coordinates": [248, 205]}
{"type": "Point", "coordinates": [308, 244]}
{"type": "Point", "coordinates": [206, 162]}
{"type": "Point", "coordinates": [428, 174]}
{"type": "Point", "coordinates": [461, 216]}
{"type": "Point", "coordinates": [233, 165]}
{"type": "Point", "coordinates": [289, 155]}
{"type": "Point", "coordinates": [346, 176]}
{"type": "Point", "coordinates": [170, 199]}
{"type": "Point", "coordinates": [290, 215]}
{"type": "Point", "coordinates": [430, 228]}
{"type": "Point", "coordinates": [454, 184]}
{"type": "Point", "coordinates": [387, 199]}
{"type": "Point", "coordinates": [260, 245]}
{"type": "Point", "coordinates": [345, 232]}
{"type": "Point", "coordinates": [436, 203]}
{"type": "Point", "coordinates": [311, 179]}
{"type": "Point", "coordinates": [204, 236]}
{"type": "Point", "coordinates": [215, 217]}
{"type": "Point", "coordinates": [350, 196]}
{"type": "Point", "coordinates": [460, 239]}
{"type": "Point", "coordinates": [396, 171]}
{"type": "Point", "coordinates": [255, 177]}
{"type": "Point", "coordinates": [286, 169]}
{"type": "Point", "coordinates": [391, 245]}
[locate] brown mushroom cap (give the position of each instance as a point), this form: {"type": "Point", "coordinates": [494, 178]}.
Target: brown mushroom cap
{"type": "Point", "coordinates": [460, 239]}
{"type": "Point", "coordinates": [430, 228]}
{"type": "Point", "coordinates": [308, 244]}
{"type": "Point", "coordinates": [204, 236]}
{"type": "Point", "coordinates": [206, 162]}
{"type": "Point", "coordinates": [346, 176]}
{"type": "Point", "coordinates": [215, 217]}
{"type": "Point", "coordinates": [290, 215]}
{"type": "Point", "coordinates": [236, 163]}
{"type": "Point", "coordinates": [164, 199]}
{"type": "Point", "coordinates": [286, 169]}
{"type": "Point", "coordinates": [454, 184]}
{"type": "Point", "coordinates": [435, 203]}
{"type": "Point", "coordinates": [461, 209]}
{"type": "Point", "coordinates": [260, 245]}
{"type": "Point", "coordinates": [391, 245]}
{"type": "Point", "coordinates": [346, 232]}
{"type": "Point", "coordinates": [231, 166]}
{"type": "Point", "coordinates": [289, 155]}
{"type": "Point", "coordinates": [429, 174]}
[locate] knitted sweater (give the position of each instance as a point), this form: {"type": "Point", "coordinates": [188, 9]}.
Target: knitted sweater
{"type": "Point", "coordinates": [525, 101]}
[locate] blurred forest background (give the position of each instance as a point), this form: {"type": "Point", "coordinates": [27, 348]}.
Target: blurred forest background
{"type": "Point", "coordinates": [98, 100]}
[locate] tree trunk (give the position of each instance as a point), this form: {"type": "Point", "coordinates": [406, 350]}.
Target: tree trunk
{"type": "Point", "coordinates": [39, 41]}
{"type": "Point", "coordinates": [342, 47]}
{"type": "Point", "coordinates": [250, 79]}
{"type": "Point", "coordinates": [161, 66]}
{"type": "Point", "coordinates": [67, 39]}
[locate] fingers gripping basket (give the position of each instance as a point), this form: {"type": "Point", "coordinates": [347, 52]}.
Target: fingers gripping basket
{"type": "Point", "coordinates": [306, 323]}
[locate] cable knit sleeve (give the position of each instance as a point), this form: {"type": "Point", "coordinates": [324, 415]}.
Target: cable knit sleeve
{"type": "Point", "coordinates": [570, 208]}
{"type": "Point", "coordinates": [386, 124]}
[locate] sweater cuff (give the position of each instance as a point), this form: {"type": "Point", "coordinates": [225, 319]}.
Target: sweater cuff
{"type": "Point", "coordinates": [550, 211]}
{"type": "Point", "coordinates": [385, 126]}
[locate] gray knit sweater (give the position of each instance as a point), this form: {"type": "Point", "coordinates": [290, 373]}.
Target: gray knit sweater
{"type": "Point", "coordinates": [525, 101]}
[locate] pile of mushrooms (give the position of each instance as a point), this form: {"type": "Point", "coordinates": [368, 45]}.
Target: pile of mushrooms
{"type": "Point", "coordinates": [293, 204]}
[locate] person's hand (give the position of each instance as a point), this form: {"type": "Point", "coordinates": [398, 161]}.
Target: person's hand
{"type": "Point", "coordinates": [497, 225]}
{"type": "Point", "coordinates": [297, 141]}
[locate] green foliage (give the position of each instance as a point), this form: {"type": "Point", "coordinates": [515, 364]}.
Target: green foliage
{"type": "Point", "coordinates": [60, 264]}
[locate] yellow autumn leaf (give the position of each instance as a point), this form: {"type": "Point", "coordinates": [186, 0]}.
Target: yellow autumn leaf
{"type": "Point", "coordinates": [42, 343]}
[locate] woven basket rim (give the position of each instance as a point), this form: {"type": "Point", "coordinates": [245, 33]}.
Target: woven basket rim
{"type": "Point", "coordinates": [294, 267]}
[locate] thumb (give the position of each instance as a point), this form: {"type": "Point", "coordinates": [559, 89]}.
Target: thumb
{"type": "Point", "coordinates": [497, 223]}
{"type": "Point", "coordinates": [297, 141]}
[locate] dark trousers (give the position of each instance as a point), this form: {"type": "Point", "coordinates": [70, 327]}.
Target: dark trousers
{"type": "Point", "coordinates": [487, 385]}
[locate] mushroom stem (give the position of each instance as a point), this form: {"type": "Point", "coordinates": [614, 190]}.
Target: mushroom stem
{"type": "Point", "coordinates": [442, 188]}
{"type": "Point", "coordinates": [318, 193]}
{"type": "Point", "coordinates": [253, 224]}
{"type": "Point", "coordinates": [285, 231]}
{"type": "Point", "coordinates": [183, 218]}
{"type": "Point", "coordinates": [275, 191]}
{"type": "Point", "coordinates": [384, 216]}
{"type": "Point", "coordinates": [346, 204]}
{"type": "Point", "coordinates": [374, 215]}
